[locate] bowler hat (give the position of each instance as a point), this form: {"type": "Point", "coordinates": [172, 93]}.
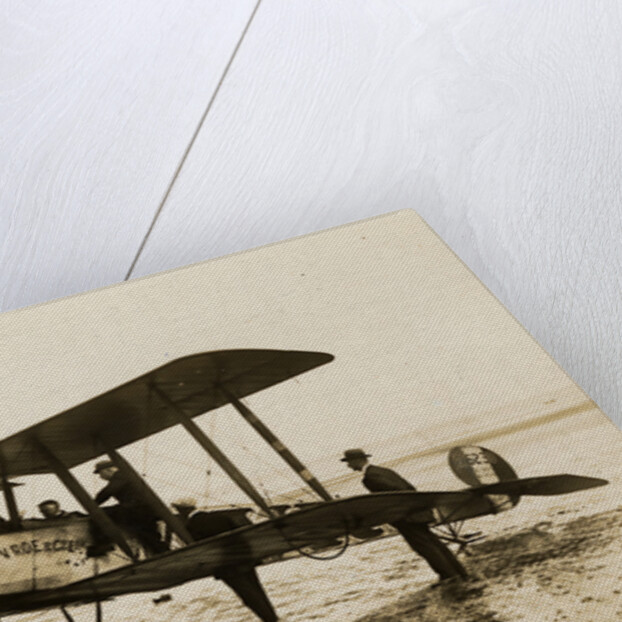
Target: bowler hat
{"type": "Point", "coordinates": [185, 502]}
{"type": "Point", "coordinates": [351, 454]}
{"type": "Point", "coordinates": [103, 464]}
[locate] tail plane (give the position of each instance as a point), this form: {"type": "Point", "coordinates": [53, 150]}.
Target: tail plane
{"type": "Point", "coordinates": [492, 476]}
{"type": "Point", "coordinates": [478, 466]}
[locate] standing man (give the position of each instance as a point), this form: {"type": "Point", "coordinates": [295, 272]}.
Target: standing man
{"type": "Point", "coordinates": [418, 535]}
{"type": "Point", "coordinates": [131, 512]}
{"type": "Point", "coordinates": [241, 577]}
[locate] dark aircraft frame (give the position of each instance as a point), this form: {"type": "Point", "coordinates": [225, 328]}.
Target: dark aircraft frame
{"type": "Point", "coordinates": [175, 394]}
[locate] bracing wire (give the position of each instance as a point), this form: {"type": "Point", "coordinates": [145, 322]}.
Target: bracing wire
{"type": "Point", "coordinates": [191, 491]}
{"type": "Point", "coordinates": [204, 470]}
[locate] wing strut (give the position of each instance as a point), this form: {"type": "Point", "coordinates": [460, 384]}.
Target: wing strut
{"type": "Point", "coordinates": [149, 496]}
{"type": "Point", "coordinates": [227, 466]}
{"type": "Point", "coordinates": [277, 445]}
{"type": "Point", "coordinates": [15, 520]}
{"type": "Point", "coordinates": [82, 496]}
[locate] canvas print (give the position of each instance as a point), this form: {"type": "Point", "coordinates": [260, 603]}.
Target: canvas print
{"type": "Point", "coordinates": [346, 426]}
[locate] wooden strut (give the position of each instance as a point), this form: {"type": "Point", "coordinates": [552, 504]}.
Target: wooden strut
{"type": "Point", "coordinates": [15, 520]}
{"type": "Point", "coordinates": [99, 615]}
{"type": "Point", "coordinates": [269, 436]}
{"type": "Point", "coordinates": [212, 449]}
{"type": "Point", "coordinates": [147, 494]}
{"type": "Point", "coordinates": [98, 515]}
{"type": "Point", "coordinates": [98, 612]}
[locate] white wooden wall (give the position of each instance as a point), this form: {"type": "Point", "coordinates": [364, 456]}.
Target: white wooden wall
{"type": "Point", "coordinates": [140, 136]}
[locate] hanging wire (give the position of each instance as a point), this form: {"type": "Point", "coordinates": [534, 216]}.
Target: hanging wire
{"type": "Point", "coordinates": [186, 463]}
{"type": "Point", "coordinates": [282, 475]}
{"type": "Point", "coordinates": [190, 491]}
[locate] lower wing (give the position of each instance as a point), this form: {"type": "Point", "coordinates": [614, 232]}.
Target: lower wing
{"type": "Point", "coordinates": [247, 545]}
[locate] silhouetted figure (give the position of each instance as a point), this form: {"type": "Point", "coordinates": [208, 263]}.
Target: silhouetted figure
{"type": "Point", "coordinates": [242, 578]}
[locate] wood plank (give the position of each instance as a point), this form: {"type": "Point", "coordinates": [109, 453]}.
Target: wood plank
{"type": "Point", "coordinates": [499, 122]}
{"type": "Point", "coordinates": [99, 102]}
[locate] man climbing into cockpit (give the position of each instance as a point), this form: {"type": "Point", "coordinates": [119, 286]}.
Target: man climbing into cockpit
{"type": "Point", "coordinates": [131, 512]}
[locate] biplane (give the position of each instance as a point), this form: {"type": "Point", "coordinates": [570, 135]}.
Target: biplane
{"type": "Point", "coordinates": [44, 564]}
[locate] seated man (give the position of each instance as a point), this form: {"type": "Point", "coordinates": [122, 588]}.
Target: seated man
{"type": "Point", "coordinates": [242, 578]}
{"type": "Point", "coordinates": [50, 509]}
{"type": "Point", "coordinates": [131, 512]}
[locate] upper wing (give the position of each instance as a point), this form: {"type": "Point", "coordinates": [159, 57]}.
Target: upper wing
{"type": "Point", "coordinates": [135, 410]}
{"type": "Point", "coordinates": [251, 544]}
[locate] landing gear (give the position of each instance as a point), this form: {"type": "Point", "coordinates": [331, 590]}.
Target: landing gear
{"type": "Point", "coordinates": [452, 533]}
{"type": "Point", "coordinates": [98, 613]}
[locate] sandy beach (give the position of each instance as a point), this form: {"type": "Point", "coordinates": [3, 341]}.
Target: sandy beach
{"type": "Point", "coordinates": [550, 572]}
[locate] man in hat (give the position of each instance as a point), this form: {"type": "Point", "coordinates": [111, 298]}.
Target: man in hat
{"type": "Point", "coordinates": [418, 535]}
{"type": "Point", "coordinates": [131, 512]}
{"type": "Point", "coordinates": [51, 510]}
{"type": "Point", "coordinates": [240, 576]}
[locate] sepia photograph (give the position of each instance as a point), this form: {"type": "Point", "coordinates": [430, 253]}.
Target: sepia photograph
{"type": "Point", "coordinates": [346, 426]}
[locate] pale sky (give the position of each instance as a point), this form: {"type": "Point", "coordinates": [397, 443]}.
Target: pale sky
{"type": "Point", "coordinates": [418, 342]}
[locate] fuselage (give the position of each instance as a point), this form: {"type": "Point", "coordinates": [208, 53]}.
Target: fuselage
{"type": "Point", "coordinates": [48, 554]}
